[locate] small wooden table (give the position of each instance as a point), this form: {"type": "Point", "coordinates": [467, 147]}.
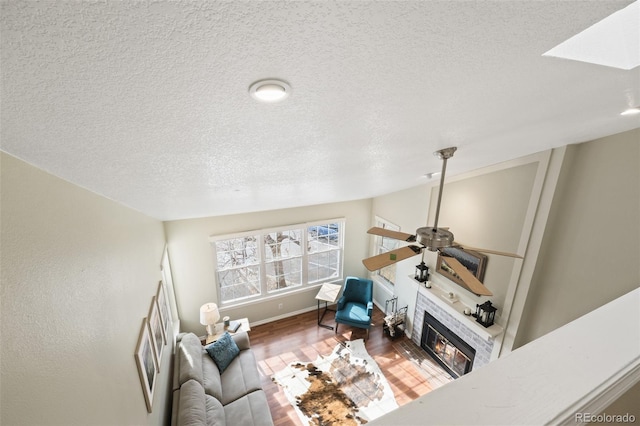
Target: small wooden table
{"type": "Point", "coordinates": [328, 294]}
{"type": "Point", "coordinates": [244, 326]}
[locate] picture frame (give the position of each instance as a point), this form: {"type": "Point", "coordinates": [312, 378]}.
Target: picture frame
{"type": "Point", "coordinates": [147, 367]}
{"type": "Point", "coordinates": [474, 261]}
{"type": "Point", "coordinates": [165, 312]}
{"type": "Point", "coordinates": [155, 328]}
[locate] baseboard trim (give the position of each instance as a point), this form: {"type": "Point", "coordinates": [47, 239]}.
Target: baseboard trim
{"type": "Point", "coordinates": [298, 312]}
{"type": "Point", "coordinates": [287, 315]}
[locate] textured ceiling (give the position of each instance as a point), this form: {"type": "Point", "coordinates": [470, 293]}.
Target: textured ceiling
{"type": "Point", "coordinates": [147, 103]}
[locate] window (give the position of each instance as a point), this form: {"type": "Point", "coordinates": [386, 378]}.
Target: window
{"type": "Point", "coordinates": [258, 264]}
{"type": "Point", "coordinates": [325, 252]}
{"type": "Point", "coordinates": [384, 245]}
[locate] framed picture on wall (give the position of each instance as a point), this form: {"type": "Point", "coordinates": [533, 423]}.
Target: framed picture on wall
{"type": "Point", "coordinates": [474, 261]}
{"type": "Point", "coordinates": [147, 367]}
{"type": "Point", "coordinates": [155, 327]}
{"type": "Point", "coordinates": [165, 313]}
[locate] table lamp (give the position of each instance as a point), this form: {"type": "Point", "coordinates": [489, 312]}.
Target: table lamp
{"type": "Point", "coordinates": [209, 316]}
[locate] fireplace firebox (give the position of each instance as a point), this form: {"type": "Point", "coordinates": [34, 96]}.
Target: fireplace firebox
{"type": "Point", "coordinates": [446, 348]}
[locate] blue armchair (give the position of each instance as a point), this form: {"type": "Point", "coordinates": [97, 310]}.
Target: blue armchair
{"type": "Point", "coordinates": [355, 306]}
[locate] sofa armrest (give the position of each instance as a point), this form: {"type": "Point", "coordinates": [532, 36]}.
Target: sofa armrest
{"type": "Point", "coordinates": [242, 340]}
{"type": "Point", "coordinates": [341, 303]}
{"type": "Point", "coordinates": [369, 308]}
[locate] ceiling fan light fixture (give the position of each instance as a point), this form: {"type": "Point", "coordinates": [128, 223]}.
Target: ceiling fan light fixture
{"type": "Point", "coordinates": [269, 91]}
{"type": "Point", "coordinates": [434, 239]}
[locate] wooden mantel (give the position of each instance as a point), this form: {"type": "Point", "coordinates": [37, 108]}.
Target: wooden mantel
{"type": "Point", "coordinates": [456, 309]}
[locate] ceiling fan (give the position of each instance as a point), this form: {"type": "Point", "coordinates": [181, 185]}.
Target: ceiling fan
{"type": "Point", "coordinates": [433, 239]}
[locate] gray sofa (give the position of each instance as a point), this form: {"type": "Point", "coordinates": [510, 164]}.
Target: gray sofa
{"type": "Point", "coordinates": [203, 396]}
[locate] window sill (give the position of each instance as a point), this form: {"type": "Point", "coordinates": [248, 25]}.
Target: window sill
{"type": "Point", "coordinates": [276, 296]}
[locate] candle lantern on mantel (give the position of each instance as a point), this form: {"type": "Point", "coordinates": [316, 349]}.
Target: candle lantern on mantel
{"type": "Point", "coordinates": [422, 272]}
{"type": "Point", "coordinates": [485, 313]}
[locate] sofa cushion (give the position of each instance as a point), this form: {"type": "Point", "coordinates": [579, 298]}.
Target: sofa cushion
{"type": "Point", "coordinates": [205, 397]}
{"type": "Point", "coordinates": [223, 351]}
{"type": "Point", "coordinates": [191, 407]}
{"type": "Point", "coordinates": [190, 359]}
{"type": "Point", "coordinates": [251, 409]}
{"type": "Point", "coordinates": [353, 313]}
{"type": "Point", "coordinates": [240, 378]}
{"type": "Point", "coordinates": [212, 382]}
{"type": "Point", "coordinates": [215, 412]}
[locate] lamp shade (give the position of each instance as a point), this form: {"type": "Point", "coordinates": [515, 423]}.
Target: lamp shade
{"type": "Point", "coordinates": [209, 314]}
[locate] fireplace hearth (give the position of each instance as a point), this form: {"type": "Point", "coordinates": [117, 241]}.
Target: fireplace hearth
{"type": "Point", "coordinates": [446, 348]}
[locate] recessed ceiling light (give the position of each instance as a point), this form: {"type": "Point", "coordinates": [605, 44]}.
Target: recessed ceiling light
{"type": "Point", "coordinates": [431, 175]}
{"type": "Point", "coordinates": [269, 90]}
{"type": "Point", "coordinates": [631, 111]}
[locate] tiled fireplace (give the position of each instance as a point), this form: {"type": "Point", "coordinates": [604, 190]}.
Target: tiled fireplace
{"type": "Point", "coordinates": [476, 346]}
{"type": "Point", "coordinates": [448, 349]}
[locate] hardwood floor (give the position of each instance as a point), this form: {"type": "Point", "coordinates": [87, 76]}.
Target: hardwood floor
{"type": "Point", "coordinates": [299, 338]}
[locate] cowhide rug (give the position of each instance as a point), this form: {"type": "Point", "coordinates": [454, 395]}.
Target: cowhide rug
{"type": "Point", "coordinates": [343, 388]}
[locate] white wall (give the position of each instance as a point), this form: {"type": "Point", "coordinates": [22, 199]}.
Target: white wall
{"type": "Point", "coordinates": [192, 257]}
{"type": "Point", "coordinates": [78, 274]}
{"type": "Point", "coordinates": [591, 245]}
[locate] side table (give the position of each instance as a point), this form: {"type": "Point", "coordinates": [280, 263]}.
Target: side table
{"type": "Point", "coordinates": [244, 326]}
{"type": "Point", "coordinates": [328, 294]}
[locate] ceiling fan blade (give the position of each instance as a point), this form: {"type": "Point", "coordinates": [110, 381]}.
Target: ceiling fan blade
{"type": "Point", "coordinates": [389, 258]}
{"type": "Point", "coordinates": [469, 279]}
{"type": "Point", "coordinates": [482, 250]}
{"type": "Point", "coordinates": [396, 235]}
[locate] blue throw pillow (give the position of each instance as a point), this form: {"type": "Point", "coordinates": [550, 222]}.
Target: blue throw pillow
{"type": "Point", "coordinates": [223, 351]}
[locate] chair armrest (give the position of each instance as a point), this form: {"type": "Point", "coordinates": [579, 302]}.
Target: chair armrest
{"type": "Point", "coordinates": [341, 303]}
{"type": "Point", "coordinates": [369, 308]}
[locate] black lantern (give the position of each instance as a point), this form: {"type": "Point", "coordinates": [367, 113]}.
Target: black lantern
{"type": "Point", "coordinates": [485, 313]}
{"type": "Point", "coordinates": [422, 272]}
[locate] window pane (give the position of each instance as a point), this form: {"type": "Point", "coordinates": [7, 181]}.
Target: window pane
{"type": "Point", "coordinates": [324, 237]}
{"type": "Point", "coordinates": [284, 273]}
{"type": "Point", "coordinates": [283, 244]}
{"type": "Point", "coordinates": [237, 252]}
{"type": "Point", "coordinates": [389, 243]}
{"type": "Point", "coordinates": [324, 266]}
{"type": "Point", "coordinates": [239, 283]}
{"type": "Point", "coordinates": [324, 252]}
{"type": "Point", "coordinates": [384, 245]}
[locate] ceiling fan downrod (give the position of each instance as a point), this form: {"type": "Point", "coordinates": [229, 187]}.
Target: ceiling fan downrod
{"type": "Point", "coordinates": [444, 155]}
{"type": "Point", "coordinates": [431, 237]}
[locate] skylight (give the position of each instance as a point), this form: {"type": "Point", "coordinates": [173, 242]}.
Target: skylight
{"type": "Point", "coordinates": [612, 42]}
